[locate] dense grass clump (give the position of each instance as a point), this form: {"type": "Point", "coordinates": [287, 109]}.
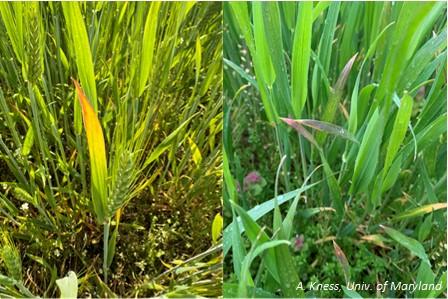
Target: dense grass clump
{"type": "Point", "coordinates": [119, 179]}
{"type": "Point", "coordinates": [339, 109]}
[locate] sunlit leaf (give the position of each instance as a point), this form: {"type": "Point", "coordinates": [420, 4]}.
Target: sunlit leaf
{"type": "Point", "coordinates": [216, 227]}
{"type": "Point", "coordinates": [422, 210]}
{"type": "Point", "coordinates": [68, 285]}
{"type": "Point", "coordinates": [97, 151]}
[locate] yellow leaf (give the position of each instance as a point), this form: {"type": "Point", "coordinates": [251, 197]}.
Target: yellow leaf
{"type": "Point", "coordinates": [197, 157]}
{"type": "Point", "coordinates": [422, 210]}
{"type": "Point", "coordinates": [97, 152]}
{"type": "Point", "coordinates": [217, 227]}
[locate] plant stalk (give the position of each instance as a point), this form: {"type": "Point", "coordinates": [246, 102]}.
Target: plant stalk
{"type": "Point", "coordinates": [106, 229]}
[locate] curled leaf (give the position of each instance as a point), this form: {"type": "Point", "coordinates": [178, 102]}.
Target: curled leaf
{"type": "Point", "coordinates": [68, 285]}
{"type": "Point", "coordinates": [217, 227]}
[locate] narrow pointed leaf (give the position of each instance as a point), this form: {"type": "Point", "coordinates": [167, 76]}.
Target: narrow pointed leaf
{"type": "Point", "coordinates": [252, 231]}
{"type": "Point", "coordinates": [167, 142]}
{"type": "Point", "coordinates": [399, 130]}
{"type": "Point", "coordinates": [343, 77]}
{"type": "Point", "coordinates": [301, 54]}
{"type": "Point", "coordinates": [412, 245]}
{"type": "Point", "coordinates": [300, 129]}
{"type": "Point", "coordinates": [148, 44]}
{"type": "Point", "coordinates": [422, 210]}
{"type": "Point", "coordinates": [82, 54]}
{"type": "Point", "coordinates": [259, 211]}
{"type": "Point", "coordinates": [367, 158]}
{"type": "Point", "coordinates": [327, 128]}
{"type": "Point", "coordinates": [340, 255]}
{"type": "Point", "coordinates": [97, 152]}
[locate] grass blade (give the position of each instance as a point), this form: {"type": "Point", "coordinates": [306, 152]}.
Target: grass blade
{"type": "Point", "coordinates": [405, 38]}
{"type": "Point", "coordinates": [412, 245]}
{"type": "Point", "coordinates": [167, 142]}
{"type": "Point", "coordinates": [367, 158]}
{"type": "Point", "coordinates": [424, 276]}
{"type": "Point", "coordinates": [301, 53]}
{"type": "Point", "coordinates": [260, 210]}
{"type": "Point", "coordinates": [238, 249]}
{"type": "Point", "coordinates": [241, 72]}
{"type": "Point", "coordinates": [262, 51]}
{"type": "Point", "coordinates": [253, 253]}
{"type": "Point", "coordinates": [421, 210]}
{"type": "Point", "coordinates": [300, 129]}
{"type": "Point", "coordinates": [289, 278]}
{"type": "Point", "coordinates": [148, 44]}
{"type": "Point", "coordinates": [335, 96]}
{"type": "Point", "coordinates": [340, 255]}
{"type": "Point", "coordinates": [327, 128]}
{"type": "Point", "coordinates": [442, 281]}
{"type": "Point", "coordinates": [399, 130]}
{"type": "Point", "coordinates": [256, 234]}
{"type": "Point", "coordinates": [97, 151]}
{"type": "Point", "coordinates": [82, 55]}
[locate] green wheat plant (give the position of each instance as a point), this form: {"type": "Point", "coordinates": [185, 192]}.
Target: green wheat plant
{"type": "Point", "coordinates": [340, 108]}
{"type": "Point", "coordinates": [110, 149]}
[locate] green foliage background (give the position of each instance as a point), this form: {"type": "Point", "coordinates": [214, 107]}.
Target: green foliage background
{"type": "Point", "coordinates": [374, 71]}
{"type": "Point", "coordinates": [152, 71]}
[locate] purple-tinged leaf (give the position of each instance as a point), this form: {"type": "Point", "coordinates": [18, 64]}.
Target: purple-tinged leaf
{"type": "Point", "coordinates": [328, 128]}
{"type": "Point", "coordinates": [340, 255]}
{"type": "Point", "coordinates": [298, 124]}
{"type": "Point", "coordinates": [342, 80]}
{"type": "Point", "coordinates": [300, 129]}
